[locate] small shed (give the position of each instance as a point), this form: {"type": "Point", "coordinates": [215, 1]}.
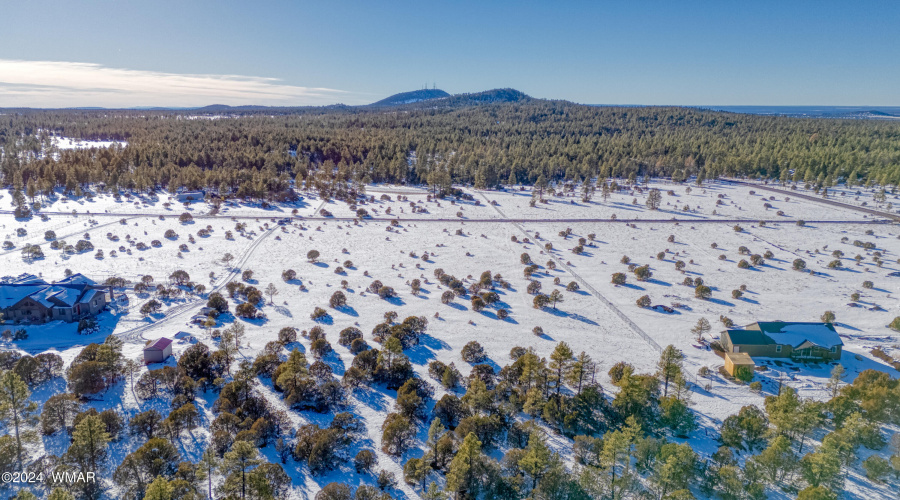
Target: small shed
{"type": "Point", "coordinates": [735, 359]}
{"type": "Point", "coordinates": [158, 351]}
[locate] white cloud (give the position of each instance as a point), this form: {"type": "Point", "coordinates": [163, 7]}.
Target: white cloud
{"type": "Point", "coordinates": [54, 84]}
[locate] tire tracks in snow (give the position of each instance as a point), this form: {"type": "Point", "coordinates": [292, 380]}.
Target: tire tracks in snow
{"type": "Point", "coordinates": [136, 334]}
{"type": "Point", "coordinates": [593, 291]}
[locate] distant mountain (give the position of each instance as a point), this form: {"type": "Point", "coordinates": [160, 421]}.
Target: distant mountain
{"type": "Point", "coordinates": [411, 97]}
{"type": "Point", "coordinates": [439, 98]}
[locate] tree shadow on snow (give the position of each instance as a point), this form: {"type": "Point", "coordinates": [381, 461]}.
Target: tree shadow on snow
{"type": "Point", "coordinates": [564, 314]}
{"type": "Point", "coordinates": [349, 311]}
{"type": "Point", "coordinates": [284, 311]}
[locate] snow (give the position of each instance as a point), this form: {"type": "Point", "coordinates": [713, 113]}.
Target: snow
{"type": "Point", "coordinates": [70, 143]}
{"type": "Point", "coordinates": [796, 334]}
{"type": "Point", "coordinates": [589, 320]}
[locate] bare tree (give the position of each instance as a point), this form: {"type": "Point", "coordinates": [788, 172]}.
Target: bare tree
{"type": "Point", "coordinates": [271, 291]}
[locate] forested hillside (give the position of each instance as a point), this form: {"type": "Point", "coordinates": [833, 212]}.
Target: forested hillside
{"type": "Point", "coordinates": [467, 140]}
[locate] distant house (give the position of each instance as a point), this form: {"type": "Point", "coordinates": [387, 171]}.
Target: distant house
{"type": "Point", "coordinates": [779, 339]}
{"type": "Point", "coordinates": [158, 351]}
{"type": "Point", "coordinates": [188, 196]}
{"type": "Point", "coordinates": [29, 299]}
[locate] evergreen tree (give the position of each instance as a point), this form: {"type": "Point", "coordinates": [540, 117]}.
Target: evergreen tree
{"type": "Point", "coordinates": [16, 411]}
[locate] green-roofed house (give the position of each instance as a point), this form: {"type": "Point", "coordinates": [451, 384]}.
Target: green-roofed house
{"type": "Point", "coordinates": [779, 339]}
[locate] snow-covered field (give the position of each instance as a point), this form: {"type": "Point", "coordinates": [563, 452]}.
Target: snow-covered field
{"type": "Point", "coordinates": [584, 319]}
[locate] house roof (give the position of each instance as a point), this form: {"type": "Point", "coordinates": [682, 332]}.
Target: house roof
{"type": "Point", "coordinates": [740, 358]}
{"type": "Point", "coordinates": [78, 279]}
{"type": "Point", "coordinates": [159, 344]}
{"type": "Point", "coordinates": [11, 295]}
{"type": "Point", "coordinates": [64, 296]}
{"type": "Point", "coordinates": [785, 333]}
{"type": "Point", "coordinates": [796, 334]}
{"type": "Point", "coordinates": [28, 279]}
{"type": "Point", "coordinates": [90, 294]}
{"type": "Point", "coordinates": [751, 337]}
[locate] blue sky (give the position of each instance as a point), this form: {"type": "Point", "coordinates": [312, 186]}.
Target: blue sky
{"type": "Point", "coordinates": [183, 53]}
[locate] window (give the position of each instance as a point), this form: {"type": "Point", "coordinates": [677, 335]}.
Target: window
{"type": "Point", "coordinates": [736, 348]}
{"type": "Point", "coordinates": [834, 349]}
{"type": "Point", "coordinates": [777, 348]}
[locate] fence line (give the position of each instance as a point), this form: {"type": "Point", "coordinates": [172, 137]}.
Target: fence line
{"type": "Point", "coordinates": [638, 330]}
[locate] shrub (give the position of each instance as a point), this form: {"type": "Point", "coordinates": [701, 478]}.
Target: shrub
{"type": "Point", "coordinates": [477, 304]}
{"type": "Point", "coordinates": [895, 324]}
{"type": "Point", "coordinates": [743, 264]}
{"type": "Point", "coordinates": [799, 264]}
{"type": "Point", "coordinates": [338, 300]}
{"type": "Point", "coordinates": [247, 275]}
{"type": "Point", "coordinates": [386, 292]}
{"type": "Point", "coordinates": [185, 218]}
{"type": "Point", "coordinates": [348, 335]}
{"type": "Point", "coordinates": [287, 335]}
{"type": "Point", "coordinates": [876, 468]}
{"type": "Point", "coordinates": [644, 301]}
{"type": "Point", "coordinates": [743, 373]}
{"type": "Point", "coordinates": [312, 255]}
{"type": "Point", "coordinates": [835, 264]}
{"type": "Point", "coordinates": [643, 273]}
{"type": "Point", "coordinates": [473, 353]}
{"type": "Point", "coordinates": [702, 292]}
{"type": "Point", "coordinates": [246, 310]}
{"type": "Point", "coordinates": [525, 259]}
{"type": "Point", "coordinates": [502, 313]}
{"type": "Point", "coordinates": [618, 278]}
{"type": "Point", "coordinates": [828, 317]}
{"type": "Point", "coordinates": [868, 285]}
{"type": "Point", "coordinates": [572, 286]}
{"type": "Point", "coordinates": [737, 228]}
{"type": "Point", "coordinates": [289, 275]}
{"type": "Point", "coordinates": [318, 313]}
{"type": "Point", "coordinates": [736, 294]}
{"type": "Point", "coordinates": [320, 348]}
{"type": "Point", "coordinates": [540, 301]}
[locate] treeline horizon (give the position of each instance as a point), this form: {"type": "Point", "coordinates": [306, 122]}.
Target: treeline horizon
{"type": "Point", "coordinates": [336, 150]}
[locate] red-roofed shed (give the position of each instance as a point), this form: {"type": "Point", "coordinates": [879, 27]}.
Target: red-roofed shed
{"type": "Point", "coordinates": [158, 350]}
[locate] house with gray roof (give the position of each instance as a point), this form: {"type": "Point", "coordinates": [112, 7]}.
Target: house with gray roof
{"type": "Point", "coordinates": [29, 299]}
{"type": "Point", "coordinates": [780, 339]}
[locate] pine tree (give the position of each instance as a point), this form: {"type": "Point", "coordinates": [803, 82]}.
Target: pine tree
{"type": "Point", "coordinates": [701, 328]}
{"type": "Point", "coordinates": [537, 459]}
{"type": "Point", "coordinates": [209, 464]}
{"type": "Point", "coordinates": [90, 444]}
{"type": "Point", "coordinates": [464, 473]}
{"type": "Point", "coordinates": [560, 363]}
{"type": "Point", "coordinates": [669, 366]}
{"type": "Point", "coordinates": [17, 411]}
{"type": "Point", "coordinates": [160, 489]}
{"type": "Point", "coordinates": [435, 432]}
{"type": "Point", "coordinates": [834, 383]}
{"type": "Point", "coordinates": [239, 462]}
{"type": "Point", "coordinates": [582, 369]}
